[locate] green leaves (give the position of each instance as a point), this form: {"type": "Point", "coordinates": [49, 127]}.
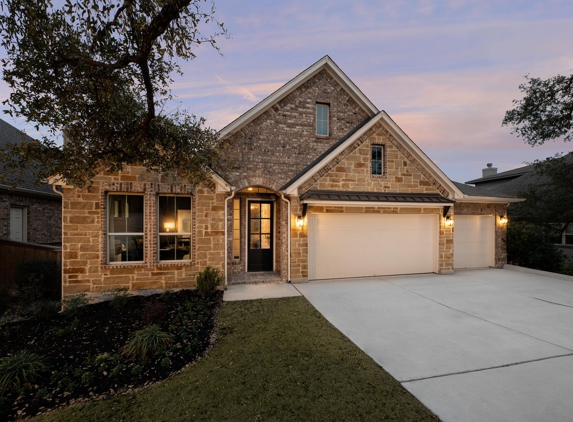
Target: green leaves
{"type": "Point", "coordinates": [546, 111]}
{"type": "Point", "coordinates": [97, 71]}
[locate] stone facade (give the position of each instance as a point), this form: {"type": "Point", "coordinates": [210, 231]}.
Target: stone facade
{"type": "Point", "coordinates": [350, 170]}
{"type": "Point", "coordinates": [86, 266]}
{"type": "Point", "coordinates": [469, 208]}
{"type": "Point", "coordinates": [43, 217]}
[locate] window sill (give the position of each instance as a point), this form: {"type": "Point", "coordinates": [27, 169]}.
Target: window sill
{"type": "Point", "coordinates": [125, 264]}
{"type": "Point", "coordinates": [175, 264]}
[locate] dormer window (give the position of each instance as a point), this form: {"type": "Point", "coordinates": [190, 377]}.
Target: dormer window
{"type": "Point", "coordinates": [322, 119]}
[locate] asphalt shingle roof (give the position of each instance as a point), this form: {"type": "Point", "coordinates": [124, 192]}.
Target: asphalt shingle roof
{"type": "Point", "coordinates": [473, 191]}
{"type": "Point", "coordinates": [9, 134]}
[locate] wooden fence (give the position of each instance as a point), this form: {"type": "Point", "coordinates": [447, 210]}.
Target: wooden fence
{"type": "Point", "coordinates": [13, 253]}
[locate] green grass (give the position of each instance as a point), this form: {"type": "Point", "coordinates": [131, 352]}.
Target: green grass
{"type": "Point", "coordinates": [274, 360]}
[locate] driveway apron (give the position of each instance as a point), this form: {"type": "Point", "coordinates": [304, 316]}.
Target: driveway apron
{"type": "Point", "coordinates": [479, 345]}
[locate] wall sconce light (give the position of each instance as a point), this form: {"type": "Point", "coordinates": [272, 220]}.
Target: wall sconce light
{"type": "Point", "coordinates": [449, 221]}
{"type": "Point", "coordinates": [503, 219]}
{"type": "Point", "coordinates": [169, 226]}
{"type": "Point", "coordinates": [299, 222]}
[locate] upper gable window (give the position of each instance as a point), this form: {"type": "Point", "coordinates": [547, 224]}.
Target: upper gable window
{"type": "Point", "coordinates": [322, 119]}
{"type": "Point", "coordinates": [377, 161]}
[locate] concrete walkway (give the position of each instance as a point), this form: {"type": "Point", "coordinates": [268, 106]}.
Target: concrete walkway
{"type": "Point", "coordinates": [484, 345]}
{"type": "Point", "coordinates": [259, 291]}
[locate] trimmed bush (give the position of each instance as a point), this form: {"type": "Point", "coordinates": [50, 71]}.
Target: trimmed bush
{"type": "Point", "coordinates": [5, 299]}
{"type": "Point", "coordinates": [19, 369]}
{"type": "Point", "coordinates": [207, 282]}
{"type": "Point", "coordinates": [36, 279]}
{"type": "Point", "coordinates": [147, 342]}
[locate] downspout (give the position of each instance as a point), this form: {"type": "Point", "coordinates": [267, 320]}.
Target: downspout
{"type": "Point", "coordinates": [62, 249]}
{"type": "Point", "coordinates": [226, 233]}
{"type": "Point", "coordinates": [288, 234]}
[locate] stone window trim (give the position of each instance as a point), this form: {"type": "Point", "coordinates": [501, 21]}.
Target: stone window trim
{"type": "Point", "coordinates": [328, 125]}
{"type": "Point", "coordinates": [150, 192]}
{"type": "Point", "coordinates": [384, 174]}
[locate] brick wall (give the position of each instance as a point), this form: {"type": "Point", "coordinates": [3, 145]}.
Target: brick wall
{"type": "Point", "coordinates": [44, 217]}
{"type": "Point", "coordinates": [468, 208]}
{"type": "Point", "coordinates": [85, 245]}
{"type": "Point", "coordinates": [282, 141]}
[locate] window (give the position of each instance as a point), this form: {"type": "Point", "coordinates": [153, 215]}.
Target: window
{"type": "Point", "coordinates": [18, 224]}
{"type": "Point", "coordinates": [377, 152]}
{"type": "Point", "coordinates": [125, 228]}
{"type": "Point", "coordinates": [236, 229]}
{"type": "Point", "coordinates": [174, 228]}
{"type": "Point", "coordinates": [565, 237]}
{"type": "Point", "coordinates": [322, 119]}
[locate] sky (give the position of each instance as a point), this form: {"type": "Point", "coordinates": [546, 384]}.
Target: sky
{"type": "Point", "coordinates": [445, 71]}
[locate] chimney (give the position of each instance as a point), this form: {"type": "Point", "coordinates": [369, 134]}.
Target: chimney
{"type": "Point", "coordinates": [489, 171]}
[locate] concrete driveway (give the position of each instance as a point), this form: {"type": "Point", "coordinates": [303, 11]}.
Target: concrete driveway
{"type": "Point", "coordinates": [483, 345]}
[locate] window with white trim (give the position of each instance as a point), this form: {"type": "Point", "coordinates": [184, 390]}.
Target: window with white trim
{"type": "Point", "coordinates": [175, 228]}
{"type": "Point", "coordinates": [377, 160]}
{"type": "Point", "coordinates": [322, 119]}
{"type": "Point", "coordinates": [125, 237]}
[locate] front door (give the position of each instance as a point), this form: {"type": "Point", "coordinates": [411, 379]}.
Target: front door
{"type": "Point", "coordinates": [260, 239]}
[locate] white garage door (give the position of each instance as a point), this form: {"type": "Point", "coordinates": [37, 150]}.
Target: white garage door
{"type": "Point", "coordinates": [474, 241]}
{"type": "Point", "coordinates": [358, 245]}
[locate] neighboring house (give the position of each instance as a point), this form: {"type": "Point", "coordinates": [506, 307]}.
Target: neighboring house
{"type": "Point", "coordinates": [323, 185]}
{"type": "Point", "coordinates": [512, 182]}
{"type": "Point", "coordinates": [28, 212]}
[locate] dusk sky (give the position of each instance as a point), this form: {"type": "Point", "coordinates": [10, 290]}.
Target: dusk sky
{"type": "Point", "coordinates": [445, 71]}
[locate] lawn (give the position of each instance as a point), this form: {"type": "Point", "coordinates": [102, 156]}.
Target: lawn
{"type": "Point", "coordinates": [274, 360]}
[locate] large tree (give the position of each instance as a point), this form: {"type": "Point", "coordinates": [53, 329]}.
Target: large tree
{"type": "Point", "coordinates": [545, 112]}
{"type": "Point", "coordinates": [98, 73]}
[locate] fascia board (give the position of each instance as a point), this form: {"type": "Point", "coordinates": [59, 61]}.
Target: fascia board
{"type": "Point", "coordinates": [374, 203]}
{"type": "Point", "coordinates": [426, 161]}
{"type": "Point", "coordinates": [489, 199]}
{"type": "Point", "coordinates": [222, 185]}
{"type": "Point", "coordinates": [292, 189]}
{"type": "Point", "coordinates": [286, 89]}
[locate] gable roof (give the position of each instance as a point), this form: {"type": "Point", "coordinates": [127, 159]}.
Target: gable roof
{"type": "Point", "coordinates": [292, 186]}
{"type": "Point", "coordinates": [326, 63]}
{"type": "Point", "coordinates": [24, 184]}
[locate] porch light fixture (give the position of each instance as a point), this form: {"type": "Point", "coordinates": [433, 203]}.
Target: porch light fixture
{"type": "Point", "coordinates": [449, 221]}
{"type": "Point", "coordinates": [503, 219]}
{"type": "Point", "coordinates": [299, 222]}
{"type": "Point", "coordinates": [169, 225]}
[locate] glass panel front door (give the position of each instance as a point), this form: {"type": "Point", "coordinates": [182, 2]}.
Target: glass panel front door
{"type": "Point", "coordinates": [260, 236]}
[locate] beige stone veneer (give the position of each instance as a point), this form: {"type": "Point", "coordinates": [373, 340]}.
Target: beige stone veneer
{"type": "Point", "coordinates": [85, 263]}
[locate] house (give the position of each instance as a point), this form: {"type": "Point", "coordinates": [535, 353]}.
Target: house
{"type": "Point", "coordinates": [28, 212]}
{"type": "Point", "coordinates": [512, 182]}
{"type": "Point", "coordinates": [323, 185]}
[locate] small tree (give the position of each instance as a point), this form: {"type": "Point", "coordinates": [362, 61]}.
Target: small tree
{"type": "Point", "coordinates": [530, 245]}
{"type": "Point", "coordinates": [98, 71]}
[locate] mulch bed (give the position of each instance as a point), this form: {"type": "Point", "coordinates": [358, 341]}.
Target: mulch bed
{"type": "Point", "coordinates": [83, 351]}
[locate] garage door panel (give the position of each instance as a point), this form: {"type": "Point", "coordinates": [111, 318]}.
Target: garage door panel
{"type": "Point", "coordinates": [356, 245]}
{"type": "Point", "coordinates": [474, 237]}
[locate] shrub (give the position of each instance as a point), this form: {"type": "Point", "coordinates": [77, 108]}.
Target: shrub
{"type": "Point", "coordinates": [45, 309]}
{"type": "Point", "coordinates": [75, 304]}
{"type": "Point", "coordinates": [36, 279]}
{"type": "Point", "coordinates": [529, 245]}
{"type": "Point", "coordinates": [5, 299]}
{"type": "Point", "coordinates": [147, 342]}
{"type": "Point", "coordinates": [21, 368]}
{"type": "Point", "coordinates": [207, 282]}
{"type": "Point", "coordinates": [119, 298]}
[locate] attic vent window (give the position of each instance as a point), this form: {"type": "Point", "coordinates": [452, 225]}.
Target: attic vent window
{"type": "Point", "coordinates": [322, 119]}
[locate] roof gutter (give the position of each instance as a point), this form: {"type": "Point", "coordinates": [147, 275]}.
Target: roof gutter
{"type": "Point", "coordinates": [489, 199]}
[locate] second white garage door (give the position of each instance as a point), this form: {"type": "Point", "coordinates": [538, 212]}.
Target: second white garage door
{"type": "Point", "coordinates": [474, 241]}
{"type": "Point", "coordinates": [361, 245]}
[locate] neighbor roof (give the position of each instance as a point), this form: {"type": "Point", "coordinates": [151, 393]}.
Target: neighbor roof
{"type": "Point", "coordinates": [24, 184]}
{"type": "Point", "coordinates": [325, 63]}
{"type": "Point", "coordinates": [504, 174]}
